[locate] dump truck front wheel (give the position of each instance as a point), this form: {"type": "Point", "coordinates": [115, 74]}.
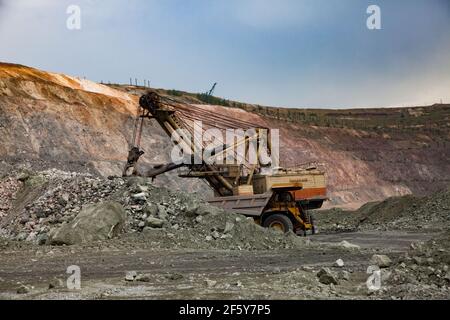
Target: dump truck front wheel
{"type": "Point", "coordinates": [278, 222]}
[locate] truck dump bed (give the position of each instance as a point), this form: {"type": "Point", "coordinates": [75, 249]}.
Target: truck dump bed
{"type": "Point", "coordinates": [249, 205]}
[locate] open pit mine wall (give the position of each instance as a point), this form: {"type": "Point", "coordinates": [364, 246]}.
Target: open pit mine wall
{"type": "Point", "coordinates": [51, 120]}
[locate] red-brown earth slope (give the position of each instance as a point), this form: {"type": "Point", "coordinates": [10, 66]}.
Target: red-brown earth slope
{"type": "Point", "coordinates": [50, 120]}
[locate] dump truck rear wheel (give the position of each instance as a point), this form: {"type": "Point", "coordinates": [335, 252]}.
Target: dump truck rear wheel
{"type": "Point", "coordinates": [278, 222]}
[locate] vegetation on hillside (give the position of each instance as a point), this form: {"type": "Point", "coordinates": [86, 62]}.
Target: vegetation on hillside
{"type": "Point", "coordinates": [434, 118]}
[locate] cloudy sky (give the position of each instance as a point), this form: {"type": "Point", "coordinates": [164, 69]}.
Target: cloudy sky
{"type": "Point", "coordinates": [295, 53]}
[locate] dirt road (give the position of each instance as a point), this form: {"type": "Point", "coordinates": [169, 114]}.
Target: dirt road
{"type": "Point", "coordinates": [395, 241]}
{"type": "Point", "coordinates": [168, 274]}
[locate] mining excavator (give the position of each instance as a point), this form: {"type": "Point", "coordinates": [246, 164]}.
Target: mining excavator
{"type": "Point", "coordinates": [278, 198]}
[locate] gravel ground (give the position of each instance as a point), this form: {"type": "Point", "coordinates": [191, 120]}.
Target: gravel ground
{"type": "Point", "coordinates": [172, 245]}
{"type": "Point", "coordinates": [39, 272]}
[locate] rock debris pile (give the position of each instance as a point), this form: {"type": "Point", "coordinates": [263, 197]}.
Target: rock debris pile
{"type": "Point", "coordinates": [399, 213]}
{"type": "Point", "coordinates": [422, 271]}
{"type": "Point", "coordinates": [55, 207]}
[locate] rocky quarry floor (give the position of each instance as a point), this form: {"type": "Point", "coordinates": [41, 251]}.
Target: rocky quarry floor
{"type": "Point", "coordinates": [131, 239]}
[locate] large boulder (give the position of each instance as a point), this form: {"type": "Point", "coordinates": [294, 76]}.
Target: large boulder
{"type": "Point", "coordinates": [347, 245]}
{"type": "Point", "coordinates": [206, 209]}
{"type": "Point", "coordinates": [327, 277]}
{"type": "Point", "coordinates": [100, 221]}
{"type": "Point", "coordinates": [153, 222]}
{"type": "Point", "coordinates": [381, 260]}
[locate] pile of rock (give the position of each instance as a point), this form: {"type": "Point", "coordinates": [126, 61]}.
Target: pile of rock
{"type": "Point", "coordinates": [59, 197]}
{"type": "Point", "coordinates": [334, 275]}
{"type": "Point", "coordinates": [51, 198]}
{"type": "Point", "coordinates": [423, 270]}
{"type": "Point", "coordinates": [174, 219]}
{"type": "Point", "coordinates": [336, 220]}
{"type": "Point", "coordinates": [150, 207]}
{"type": "Point", "coordinates": [431, 212]}
{"type": "Point", "coordinates": [8, 189]}
{"type": "Point", "coordinates": [397, 213]}
{"type": "Point", "coordinates": [69, 208]}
